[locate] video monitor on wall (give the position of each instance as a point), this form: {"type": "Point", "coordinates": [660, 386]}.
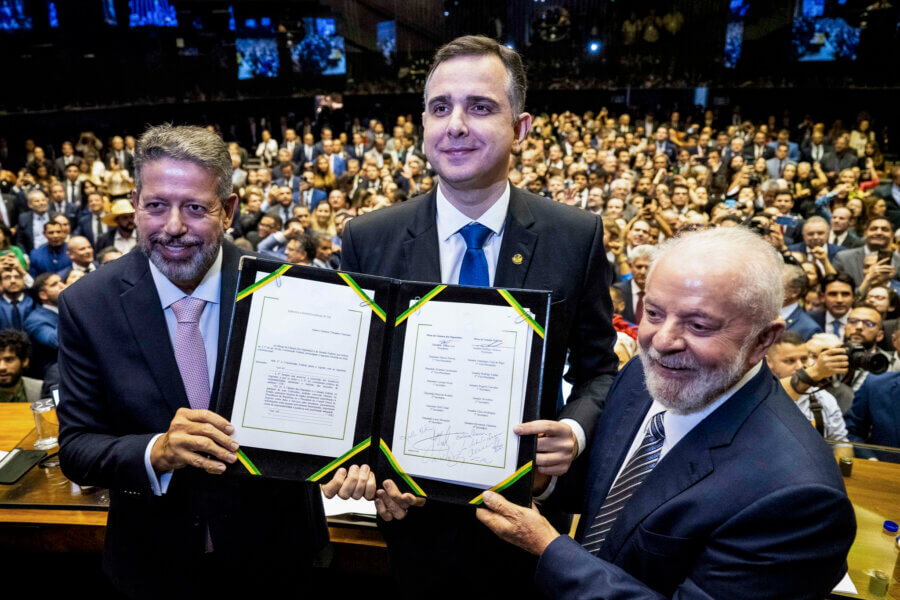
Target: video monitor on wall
{"type": "Point", "coordinates": [257, 57]}
{"type": "Point", "coordinates": [151, 13]}
{"type": "Point", "coordinates": [387, 40]}
{"type": "Point", "coordinates": [13, 17]}
{"type": "Point", "coordinates": [821, 33]}
{"type": "Point", "coordinates": [321, 51]}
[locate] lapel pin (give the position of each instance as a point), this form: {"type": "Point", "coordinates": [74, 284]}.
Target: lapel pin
{"type": "Point", "coordinates": [517, 259]}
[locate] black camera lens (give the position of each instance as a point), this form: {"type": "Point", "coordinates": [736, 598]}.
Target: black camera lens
{"type": "Point", "coordinates": [860, 358]}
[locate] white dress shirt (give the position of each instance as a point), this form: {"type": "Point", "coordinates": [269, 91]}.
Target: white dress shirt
{"type": "Point", "coordinates": [124, 244]}
{"type": "Point", "coordinates": [452, 249]}
{"type": "Point", "coordinates": [676, 426]}
{"type": "Point", "coordinates": [829, 328]}
{"type": "Point", "coordinates": [208, 290]}
{"type": "Point", "coordinates": [835, 428]}
{"type": "Point", "coordinates": [37, 228]}
{"type": "Point", "coordinates": [452, 246]}
{"type": "Point", "coordinates": [787, 310]}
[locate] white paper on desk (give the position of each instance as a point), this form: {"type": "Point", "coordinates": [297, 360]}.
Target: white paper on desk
{"type": "Point", "coordinates": [462, 389]}
{"type": "Point", "coordinates": [301, 367]}
{"type": "Point", "coordinates": [845, 586]}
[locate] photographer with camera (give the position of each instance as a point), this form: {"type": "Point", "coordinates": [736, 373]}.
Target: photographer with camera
{"type": "Point", "coordinates": [786, 357]}
{"type": "Point", "coordinates": [862, 333]}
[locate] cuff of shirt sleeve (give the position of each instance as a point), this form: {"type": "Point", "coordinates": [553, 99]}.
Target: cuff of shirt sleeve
{"type": "Point", "coordinates": [280, 237]}
{"type": "Point", "coordinates": [578, 430]}
{"type": "Point", "coordinates": [160, 484]}
{"type": "Point", "coordinates": [548, 492]}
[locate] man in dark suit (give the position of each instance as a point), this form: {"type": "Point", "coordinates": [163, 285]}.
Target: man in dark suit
{"type": "Point", "coordinates": [359, 148]}
{"type": "Point", "coordinates": [672, 497]}
{"type": "Point", "coordinates": [874, 416]}
{"type": "Point", "coordinates": [878, 236]}
{"type": "Point", "coordinates": [795, 284]}
{"type": "Point", "coordinates": [891, 194]}
{"type": "Point", "coordinates": [758, 149]}
{"type": "Point", "coordinates": [516, 240]}
{"type": "Point", "coordinates": [817, 149]}
{"type": "Point", "coordinates": [52, 257]}
{"type": "Point", "coordinates": [663, 145]}
{"type": "Point", "coordinates": [838, 294]}
{"type": "Point", "coordinates": [840, 158]}
{"type": "Point", "coordinates": [81, 253]}
{"type": "Point", "coordinates": [68, 158]}
{"type": "Point", "coordinates": [633, 289]}
{"type": "Point", "coordinates": [42, 324]}
{"type": "Point", "coordinates": [815, 246]}
{"type": "Point", "coordinates": [30, 232]}
{"type": "Point", "coordinates": [91, 225]}
{"type": "Point", "coordinates": [150, 433]}
{"type": "Point", "coordinates": [15, 304]}
{"type": "Point", "coordinates": [122, 156]}
{"type": "Point", "coordinates": [841, 232]}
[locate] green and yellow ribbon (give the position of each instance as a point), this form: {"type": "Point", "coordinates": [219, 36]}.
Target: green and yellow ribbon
{"type": "Point", "coordinates": [522, 312]}
{"type": "Point", "coordinates": [340, 459]}
{"type": "Point", "coordinates": [396, 466]}
{"type": "Point", "coordinates": [434, 292]}
{"type": "Point", "coordinates": [262, 282]}
{"type": "Point", "coordinates": [359, 292]}
{"type": "Point", "coordinates": [520, 472]}
{"type": "Point", "coordinates": [248, 464]}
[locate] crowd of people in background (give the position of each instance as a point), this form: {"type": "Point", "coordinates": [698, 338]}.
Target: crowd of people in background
{"type": "Point", "coordinates": [822, 194]}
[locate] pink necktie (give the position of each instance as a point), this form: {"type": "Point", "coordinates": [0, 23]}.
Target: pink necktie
{"type": "Point", "coordinates": [190, 353]}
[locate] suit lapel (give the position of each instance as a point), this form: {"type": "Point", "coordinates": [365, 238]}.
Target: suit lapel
{"type": "Point", "coordinates": [143, 310]}
{"type": "Point", "coordinates": [689, 461]}
{"type": "Point", "coordinates": [519, 241]}
{"type": "Point", "coordinates": [422, 252]}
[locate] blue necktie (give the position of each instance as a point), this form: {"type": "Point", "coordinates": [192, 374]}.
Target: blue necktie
{"type": "Point", "coordinates": [474, 270]}
{"type": "Point", "coordinates": [637, 469]}
{"type": "Point", "coordinates": [837, 327]}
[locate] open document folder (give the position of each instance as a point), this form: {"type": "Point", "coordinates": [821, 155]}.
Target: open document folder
{"type": "Point", "coordinates": [424, 382]}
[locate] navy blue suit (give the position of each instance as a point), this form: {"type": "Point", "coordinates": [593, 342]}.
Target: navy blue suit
{"type": "Point", "coordinates": [749, 504]}
{"type": "Point", "coordinates": [317, 196]}
{"type": "Point", "coordinates": [25, 231]}
{"type": "Point", "coordinates": [42, 326]}
{"type": "Point", "coordinates": [120, 385]}
{"type": "Point", "coordinates": [800, 247]}
{"type": "Point", "coordinates": [874, 416]}
{"type": "Point", "coordinates": [669, 149]}
{"type": "Point", "coordinates": [49, 260]}
{"type": "Point", "coordinates": [25, 306]}
{"type": "Point", "coordinates": [86, 228]}
{"type": "Point", "coordinates": [802, 324]}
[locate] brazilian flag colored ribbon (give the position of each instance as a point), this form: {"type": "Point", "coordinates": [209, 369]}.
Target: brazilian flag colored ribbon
{"type": "Point", "coordinates": [434, 292]}
{"type": "Point", "coordinates": [522, 312]}
{"type": "Point", "coordinates": [359, 292]}
{"type": "Point", "coordinates": [340, 460]}
{"type": "Point", "coordinates": [396, 466]}
{"type": "Point", "coordinates": [248, 464]}
{"type": "Point", "coordinates": [262, 282]}
{"type": "Point", "coordinates": [520, 472]}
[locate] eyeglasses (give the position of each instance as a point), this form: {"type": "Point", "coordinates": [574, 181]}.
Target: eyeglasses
{"type": "Point", "coordinates": [868, 324]}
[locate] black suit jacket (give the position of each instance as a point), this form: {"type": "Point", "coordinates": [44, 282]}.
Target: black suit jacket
{"type": "Point", "coordinates": [25, 231]}
{"type": "Point", "coordinates": [562, 251]}
{"type": "Point", "coordinates": [749, 504]}
{"type": "Point", "coordinates": [628, 313]}
{"type": "Point", "coordinates": [120, 385]}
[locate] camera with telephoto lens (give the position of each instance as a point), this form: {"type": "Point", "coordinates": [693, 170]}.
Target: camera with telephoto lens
{"type": "Point", "coordinates": [860, 358]}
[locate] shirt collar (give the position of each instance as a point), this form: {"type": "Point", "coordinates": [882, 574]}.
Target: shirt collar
{"type": "Point", "coordinates": [787, 310]}
{"type": "Point", "coordinates": [208, 289]}
{"type": "Point", "coordinates": [51, 308]}
{"type": "Point", "coordinates": [450, 220]}
{"type": "Point", "coordinates": [119, 236]}
{"type": "Point", "coordinates": [829, 318]}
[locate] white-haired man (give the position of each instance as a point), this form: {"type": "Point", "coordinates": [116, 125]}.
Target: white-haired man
{"type": "Point", "coordinates": [703, 480]}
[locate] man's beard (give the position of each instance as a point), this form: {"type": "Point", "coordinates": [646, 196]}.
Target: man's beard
{"type": "Point", "coordinates": [696, 394]}
{"type": "Point", "coordinates": [14, 379]}
{"type": "Point", "coordinates": [182, 271]}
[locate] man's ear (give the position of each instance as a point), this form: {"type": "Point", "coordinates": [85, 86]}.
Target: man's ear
{"type": "Point", "coordinates": [522, 126]}
{"type": "Point", "coordinates": [25, 363]}
{"type": "Point", "coordinates": [765, 340]}
{"type": "Point", "coordinates": [229, 205]}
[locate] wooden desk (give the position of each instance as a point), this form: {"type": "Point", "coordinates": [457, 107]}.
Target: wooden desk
{"type": "Point", "coordinates": [874, 489]}
{"type": "Point", "coordinates": [84, 530]}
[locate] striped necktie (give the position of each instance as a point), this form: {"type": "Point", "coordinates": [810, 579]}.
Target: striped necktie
{"type": "Point", "coordinates": [639, 466]}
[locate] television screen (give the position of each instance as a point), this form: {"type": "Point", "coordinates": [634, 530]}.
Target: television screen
{"type": "Point", "coordinates": [734, 32]}
{"type": "Point", "coordinates": [52, 15]}
{"type": "Point", "coordinates": [257, 57]}
{"type": "Point", "coordinates": [387, 40]}
{"type": "Point", "coordinates": [109, 12]}
{"type": "Point", "coordinates": [13, 17]}
{"type": "Point", "coordinates": [151, 13]}
{"type": "Point", "coordinates": [820, 33]}
{"type": "Point", "coordinates": [321, 51]}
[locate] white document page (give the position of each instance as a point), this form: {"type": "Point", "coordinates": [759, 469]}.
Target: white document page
{"type": "Point", "coordinates": [301, 367]}
{"type": "Point", "coordinates": [462, 388]}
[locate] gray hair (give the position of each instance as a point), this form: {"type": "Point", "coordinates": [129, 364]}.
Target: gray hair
{"type": "Point", "coordinates": [33, 193]}
{"type": "Point", "coordinates": [643, 251]}
{"type": "Point", "coordinates": [794, 280]}
{"type": "Point", "coordinates": [185, 143]}
{"type": "Point", "coordinates": [757, 285]}
{"type": "Point", "coordinates": [479, 45]}
{"type": "Point", "coordinates": [816, 220]}
{"type": "Point", "coordinates": [623, 183]}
